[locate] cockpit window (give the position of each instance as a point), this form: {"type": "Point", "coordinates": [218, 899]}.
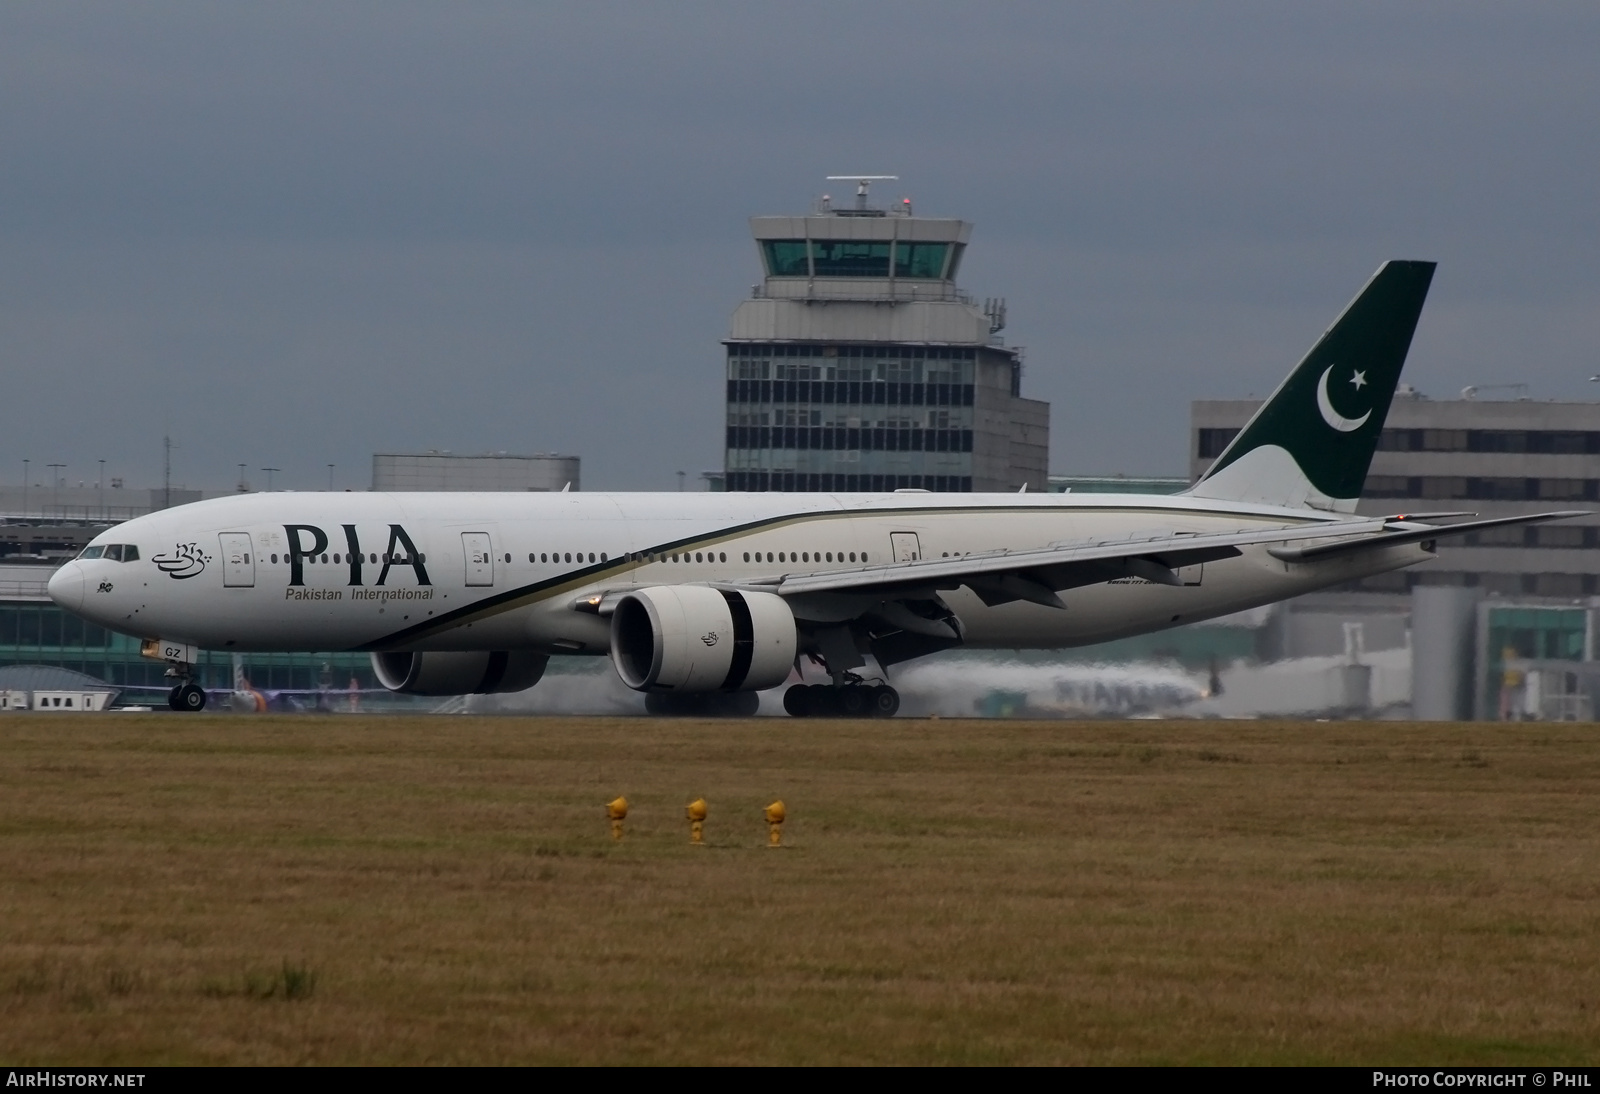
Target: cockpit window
{"type": "Point", "coordinates": [115, 552]}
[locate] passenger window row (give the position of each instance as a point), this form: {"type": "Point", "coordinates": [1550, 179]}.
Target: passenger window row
{"type": "Point", "coordinates": [711, 556]}
{"type": "Point", "coordinates": [805, 556]}
{"type": "Point", "coordinates": [707, 556]}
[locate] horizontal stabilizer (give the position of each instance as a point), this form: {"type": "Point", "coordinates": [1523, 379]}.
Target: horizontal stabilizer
{"type": "Point", "coordinates": [1413, 535]}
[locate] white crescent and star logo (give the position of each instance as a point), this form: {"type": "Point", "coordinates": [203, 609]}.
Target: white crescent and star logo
{"type": "Point", "coordinates": [1334, 419]}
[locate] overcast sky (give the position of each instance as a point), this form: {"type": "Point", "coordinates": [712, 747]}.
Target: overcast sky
{"type": "Point", "coordinates": [295, 234]}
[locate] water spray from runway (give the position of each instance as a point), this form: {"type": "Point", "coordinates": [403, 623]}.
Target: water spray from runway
{"type": "Point", "coordinates": [954, 686]}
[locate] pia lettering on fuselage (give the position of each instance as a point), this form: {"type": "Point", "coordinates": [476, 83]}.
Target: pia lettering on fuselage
{"type": "Point", "coordinates": [307, 541]}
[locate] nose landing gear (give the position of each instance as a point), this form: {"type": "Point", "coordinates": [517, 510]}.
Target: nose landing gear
{"type": "Point", "coordinates": [187, 696]}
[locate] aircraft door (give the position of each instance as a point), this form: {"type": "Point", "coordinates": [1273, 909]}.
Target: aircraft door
{"type": "Point", "coordinates": [905, 546]}
{"type": "Point", "coordinates": [238, 560]}
{"type": "Point", "coordinates": [480, 562]}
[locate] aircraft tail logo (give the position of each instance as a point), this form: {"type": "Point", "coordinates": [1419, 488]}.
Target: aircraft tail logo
{"type": "Point", "coordinates": [1311, 442]}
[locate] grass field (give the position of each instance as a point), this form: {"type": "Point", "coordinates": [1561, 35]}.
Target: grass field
{"type": "Point", "coordinates": [195, 889]}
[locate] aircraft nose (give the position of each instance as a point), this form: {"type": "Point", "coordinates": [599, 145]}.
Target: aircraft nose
{"type": "Point", "coordinates": [66, 587]}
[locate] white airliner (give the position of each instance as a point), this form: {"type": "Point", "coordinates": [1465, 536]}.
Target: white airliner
{"type": "Point", "coordinates": [698, 595]}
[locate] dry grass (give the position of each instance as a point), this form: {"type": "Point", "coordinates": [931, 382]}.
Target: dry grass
{"type": "Point", "coordinates": [318, 890]}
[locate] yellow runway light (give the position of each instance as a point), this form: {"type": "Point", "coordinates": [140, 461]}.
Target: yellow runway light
{"type": "Point", "coordinates": [775, 814]}
{"type": "Point", "coordinates": [696, 812]}
{"type": "Point", "coordinates": [618, 812]}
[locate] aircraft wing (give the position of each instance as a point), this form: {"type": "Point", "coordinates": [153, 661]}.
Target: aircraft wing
{"type": "Point", "coordinates": [1400, 534]}
{"type": "Point", "coordinates": [1037, 575]}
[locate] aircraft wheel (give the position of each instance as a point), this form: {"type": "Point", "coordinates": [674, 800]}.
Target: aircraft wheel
{"type": "Point", "coordinates": [191, 698]}
{"type": "Point", "coordinates": [172, 698]}
{"type": "Point", "coordinates": [797, 701]}
{"type": "Point", "coordinates": [655, 703]}
{"type": "Point", "coordinates": [854, 701]}
{"type": "Point", "coordinates": [824, 701]}
{"type": "Point", "coordinates": [740, 704]}
{"type": "Point", "coordinates": [885, 701]}
{"type": "Point", "coordinates": [689, 705]}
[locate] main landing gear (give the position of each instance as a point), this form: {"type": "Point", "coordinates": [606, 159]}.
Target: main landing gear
{"type": "Point", "coordinates": [850, 700]}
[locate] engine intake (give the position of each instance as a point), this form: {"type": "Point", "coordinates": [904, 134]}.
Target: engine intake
{"type": "Point", "coordinates": [479, 672]}
{"type": "Point", "coordinates": [688, 638]}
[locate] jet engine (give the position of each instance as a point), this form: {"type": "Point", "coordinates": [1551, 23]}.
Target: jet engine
{"type": "Point", "coordinates": [692, 638]}
{"type": "Point", "coordinates": [480, 672]}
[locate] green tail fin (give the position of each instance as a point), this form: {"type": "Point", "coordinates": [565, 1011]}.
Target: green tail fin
{"type": "Point", "coordinates": [1311, 443]}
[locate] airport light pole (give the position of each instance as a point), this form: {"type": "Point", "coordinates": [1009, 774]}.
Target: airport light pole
{"type": "Point", "coordinates": [55, 483]}
{"type": "Point", "coordinates": [100, 490]}
{"type": "Point", "coordinates": [269, 471]}
{"type": "Point", "coordinates": [24, 487]}
{"type": "Point", "coordinates": [330, 477]}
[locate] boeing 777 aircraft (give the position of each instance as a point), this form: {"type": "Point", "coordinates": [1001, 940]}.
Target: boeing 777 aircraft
{"type": "Point", "coordinates": [700, 594]}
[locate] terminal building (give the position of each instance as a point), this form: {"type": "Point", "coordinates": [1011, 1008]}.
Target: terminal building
{"type": "Point", "coordinates": [447, 471]}
{"type": "Point", "coordinates": [1503, 624]}
{"type": "Point", "coordinates": [859, 365]}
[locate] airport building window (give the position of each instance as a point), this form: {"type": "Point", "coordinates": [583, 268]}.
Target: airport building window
{"type": "Point", "coordinates": [1538, 441]}
{"type": "Point", "coordinates": [1480, 488]}
{"type": "Point", "coordinates": [798, 385]}
{"type": "Point", "coordinates": [804, 482]}
{"type": "Point", "coordinates": [900, 437]}
{"type": "Point", "coordinates": [1213, 442]}
{"type": "Point", "coordinates": [853, 416]}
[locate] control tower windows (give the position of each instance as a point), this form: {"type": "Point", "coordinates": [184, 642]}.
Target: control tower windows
{"type": "Point", "coordinates": [845, 258]}
{"type": "Point", "coordinates": [859, 258]}
{"type": "Point", "coordinates": [920, 260]}
{"type": "Point", "coordinates": [786, 258]}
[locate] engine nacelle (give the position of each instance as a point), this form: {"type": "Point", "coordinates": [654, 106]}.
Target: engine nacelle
{"type": "Point", "coordinates": [479, 672]}
{"type": "Point", "coordinates": [687, 638]}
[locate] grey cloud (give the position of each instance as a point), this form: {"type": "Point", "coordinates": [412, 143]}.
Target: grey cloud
{"type": "Point", "coordinates": [295, 234]}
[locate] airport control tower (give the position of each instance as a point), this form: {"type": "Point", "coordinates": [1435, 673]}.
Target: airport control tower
{"type": "Point", "coordinates": [858, 364]}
